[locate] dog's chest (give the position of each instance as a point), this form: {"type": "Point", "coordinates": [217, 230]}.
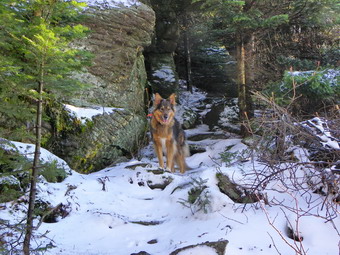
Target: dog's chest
{"type": "Point", "coordinates": [163, 143]}
{"type": "Point", "coordinates": [162, 131]}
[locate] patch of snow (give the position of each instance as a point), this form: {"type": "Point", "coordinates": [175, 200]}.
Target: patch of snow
{"type": "Point", "coordinates": [301, 73]}
{"type": "Point", "coordinates": [84, 114]}
{"type": "Point", "coordinates": [216, 50]}
{"type": "Point", "coordinates": [230, 115]}
{"type": "Point", "coordinates": [165, 73]}
{"type": "Point", "coordinates": [328, 75]}
{"type": "Point", "coordinates": [11, 180]}
{"type": "Point", "coordinates": [192, 100]}
{"type": "Point", "coordinates": [28, 150]}
{"type": "Point", "coordinates": [319, 128]}
{"type": "Point", "coordinates": [189, 101]}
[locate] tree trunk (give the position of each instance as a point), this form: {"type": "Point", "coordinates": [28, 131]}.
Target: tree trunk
{"type": "Point", "coordinates": [249, 46]}
{"type": "Point", "coordinates": [187, 53]}
{"type": "Point", "coordinates": [245, 80]}
{"type": "Point", "coordinates": [35, 167]}
{"type": "Point", "coordinates": [241, 83]}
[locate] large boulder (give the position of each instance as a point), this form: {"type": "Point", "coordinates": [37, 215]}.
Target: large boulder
{"type": "Point", "coordinates": [103, 140]}
{"type": "Point", "coordinates": [118, 79]}
{"type": "Point", "coordinates": [117, 40]}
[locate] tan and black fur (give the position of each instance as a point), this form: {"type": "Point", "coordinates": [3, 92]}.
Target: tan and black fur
{"type": "Point", "coordinates": [167, 134]}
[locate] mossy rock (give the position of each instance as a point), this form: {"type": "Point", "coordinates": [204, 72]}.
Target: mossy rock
{"type": "Point", "coordinates": [218, 246]}
{"type": "Point", "coordinates": [236, 192]}
{"type": "Point", "coordinates": [110, 137]}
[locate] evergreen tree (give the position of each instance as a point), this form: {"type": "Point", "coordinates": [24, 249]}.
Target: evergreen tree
{"type": "Point", "coordinates": [37, 62]}
{"type": "Point", "coordinates": [15, 112]}
{"type": "Point", "coordinates": [24, 24]}
{"type": "Point", "coordinates": [241, 24]}
{"type": "Point", "coordinates": [304, 41]}
{"type": "Point", "coordinates": [239, 20]}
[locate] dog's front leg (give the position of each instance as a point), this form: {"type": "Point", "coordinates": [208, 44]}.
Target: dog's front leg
{"type": "Point", "coordinates": [170, 155]}
{"type": "Point", "coordinates": [159, 151]}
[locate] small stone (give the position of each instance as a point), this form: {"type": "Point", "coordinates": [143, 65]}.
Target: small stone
{"type": "Point", "coordinates": [153, 241]}
{"type": "Point", "coordinates": [141, 253]}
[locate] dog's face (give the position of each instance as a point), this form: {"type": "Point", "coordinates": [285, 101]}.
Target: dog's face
{"type": "Point", "coordinates": [164, 109]}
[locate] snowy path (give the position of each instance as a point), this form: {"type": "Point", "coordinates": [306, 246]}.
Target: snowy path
{"type": "Point", "coordinates": [115, 212]}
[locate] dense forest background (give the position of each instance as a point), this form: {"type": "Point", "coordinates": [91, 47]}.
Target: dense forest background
{"type": "Point", "coordinates": [281, 57]}
{"type": "Point", "coordinates": [267, 39]}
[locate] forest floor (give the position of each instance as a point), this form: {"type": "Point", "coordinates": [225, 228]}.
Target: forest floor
{"type": "Point", "coordinates": [133, 207]}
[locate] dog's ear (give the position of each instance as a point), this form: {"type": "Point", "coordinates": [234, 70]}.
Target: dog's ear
{"type": "Point", "coordinates": [157, 99]}
{"type": "Point", "coordinates": [172, 99]}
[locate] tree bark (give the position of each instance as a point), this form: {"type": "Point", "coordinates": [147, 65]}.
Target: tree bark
{"type": "Point", "coordinates": [241, 83]}
{"type": "Point", "coordinates": [249, 45]}
{"type": "Point", "coordinates": [245, 79]}
{"type": "Point", "coordinates": [187, 53]}
{"type": "Point", "coordinates": [35, 167]}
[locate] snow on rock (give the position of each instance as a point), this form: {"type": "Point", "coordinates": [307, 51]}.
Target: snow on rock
{"type": "Point", "coordinates": [111, 3]}
{"type": "Point", "coordinates": [229, 117]}
{"type": "Point", "coordinates": [165, 73]}
{"type": "Point", "coordinates": [87, 113]}
{"type": "Point", "coordinates": [28, 150]}
{"type": "Point", "coordinates": [187, 112]}
{"type": "Point", "coordinates": [319, 127]}
{"type": "Point", "coordinates": [192, 100]}
{"type": "Point", "coordinates": [9, 180]}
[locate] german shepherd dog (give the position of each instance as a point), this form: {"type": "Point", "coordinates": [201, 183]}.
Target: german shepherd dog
{"type": "Point", "coordinates": [167, 134]}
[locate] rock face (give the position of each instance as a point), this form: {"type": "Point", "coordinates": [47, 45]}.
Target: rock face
{"type": "Point", "coordinates": [161, 67]}
{"type": "Point", "coordinates": [117, 41]}
{"type": "Point", "coordinates": [118, 78]}
{"type": "Point", "coordinates": [103, 141]}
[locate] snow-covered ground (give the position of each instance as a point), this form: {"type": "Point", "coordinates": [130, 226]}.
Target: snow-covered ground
{"type": "Point", "coordinates": [115, 212]}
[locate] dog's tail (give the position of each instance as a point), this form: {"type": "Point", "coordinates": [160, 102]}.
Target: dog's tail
{"type": "Point", "coordinates": [186, 153]}
{"type": "Point", "coordinates": [186, 150]}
